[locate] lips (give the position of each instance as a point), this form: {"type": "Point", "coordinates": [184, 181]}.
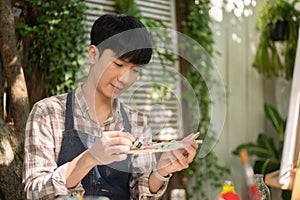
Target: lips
{"type": "Point", "coordinates": [116, 89]}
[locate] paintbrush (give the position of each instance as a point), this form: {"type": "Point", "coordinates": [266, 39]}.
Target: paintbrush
{"type": "Point", "coordinates": [249, 175]}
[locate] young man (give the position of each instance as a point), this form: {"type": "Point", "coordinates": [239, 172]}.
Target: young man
{"type": "Point", "coordinates": [78, 143]}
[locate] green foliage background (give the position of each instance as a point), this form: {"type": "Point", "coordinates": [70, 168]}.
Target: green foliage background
{"type": "Point", "coordinates": [208, 175]}
{"type": "Point", "coordinates": [59, 42]}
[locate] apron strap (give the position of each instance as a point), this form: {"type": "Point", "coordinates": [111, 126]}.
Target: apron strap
{"type": "Point", "coordinates": [126, 124]}
{"type": "Point", "coordinates": [69, 119]}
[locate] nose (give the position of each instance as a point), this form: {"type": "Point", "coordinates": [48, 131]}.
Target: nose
{"type": "Point", "coordinates": [126, 76]}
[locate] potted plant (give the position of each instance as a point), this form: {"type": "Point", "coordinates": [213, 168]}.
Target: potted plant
{"type": "Point", "coordinates": [267, 150]}
{"type": "Point", "coordinates": [278, 21]}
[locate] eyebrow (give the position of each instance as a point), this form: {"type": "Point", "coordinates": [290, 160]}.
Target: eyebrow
{"type": "Point", "coordinates": [124, 60]}
{"type": "Point", "coordinates": [127, 61]}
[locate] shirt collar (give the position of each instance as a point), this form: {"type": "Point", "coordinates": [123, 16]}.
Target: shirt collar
{"type": "Point", "coordinates": [83, 109]}
{"type": "Point", "coordinates": [81, 103]}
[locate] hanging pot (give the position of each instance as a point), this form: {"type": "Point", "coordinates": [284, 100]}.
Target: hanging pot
{"type": "Point", "coordinates": [279, 31]}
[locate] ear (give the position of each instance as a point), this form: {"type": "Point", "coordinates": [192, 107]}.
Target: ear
{"type": "Point", "coordinates": [93, 53]}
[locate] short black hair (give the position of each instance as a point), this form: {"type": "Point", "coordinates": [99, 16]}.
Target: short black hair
{"type": "Point", "coordinates": [131, 39]}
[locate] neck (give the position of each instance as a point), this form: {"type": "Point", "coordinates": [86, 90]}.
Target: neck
{"type": "Point", "coordinates": [99, 107]}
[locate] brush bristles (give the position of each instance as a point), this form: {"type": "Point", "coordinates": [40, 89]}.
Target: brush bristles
{"type": "Point", "coordinates": [244, 156]}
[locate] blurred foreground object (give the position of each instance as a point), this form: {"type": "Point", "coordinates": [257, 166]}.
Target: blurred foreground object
{"type": "Point", "coordinates": [228, 192]}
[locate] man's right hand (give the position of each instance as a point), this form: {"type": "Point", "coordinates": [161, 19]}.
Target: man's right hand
{"type": "Point", "coordinates": [112, 146]}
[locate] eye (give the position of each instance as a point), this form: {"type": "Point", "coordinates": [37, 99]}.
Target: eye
{"type": "Point", "coordinates": [136, 69]}
{"type": "Point", "coordinates": [118, 64]}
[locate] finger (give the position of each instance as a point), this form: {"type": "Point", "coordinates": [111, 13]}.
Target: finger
{"type": "Point", "coordinates": [181, 159]}
{"type": "Point", "coordinates": [190, 144]}
{"type": "Point", "coordinates": [195, 145]}
{"type": "Point", "coordinates": [113, 134]}
{"type": "Point", "coordinates": [186, 148]}
{"type": "Point", "coordinates": [109, 140]}
{"type": "Point", "coordinates": [166, 160]}
{"type": "Point", "coordinates": [195, 135]}
{"type": "Point", "coordinates": [188, 138]}
{"type": "Point", "coordinates": [190, 154]}
{"type": "Point", "coordinates": [173, 155]}
{"type": "Point", "coordinates": [120, 141]}
{"type": "Point", "coordinates": [176, 166]}
{"type": "Point", "coordinates": [191, 137]}
{"type": "Point", "coordinates": [118, 149]}
{"type": "Point", "coordinates": [182, 165]}
{"type": "Point", "coordinates": [190, 150]}
{"type": "Point", "coordinates": [119, 157]}
{"type": "Point", "coordinates": [119, 134]}
{"type": "Point", "coordinates": [177, 154]}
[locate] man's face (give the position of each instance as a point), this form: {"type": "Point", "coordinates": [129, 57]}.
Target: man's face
{"type": "Point", "coordinates": [113, 75]}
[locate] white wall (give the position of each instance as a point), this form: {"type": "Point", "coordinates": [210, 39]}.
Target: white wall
{"type": "Point", "coordinates": [236, 39]}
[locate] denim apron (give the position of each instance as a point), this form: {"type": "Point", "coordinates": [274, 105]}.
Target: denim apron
{"type": "Point", "coordinates": [106, 180]}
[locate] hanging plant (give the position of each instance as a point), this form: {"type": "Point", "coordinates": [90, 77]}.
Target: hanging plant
{"type": "Point", "coordinates": [278, 21]}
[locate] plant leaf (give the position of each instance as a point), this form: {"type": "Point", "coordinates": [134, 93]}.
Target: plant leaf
{"type": "Point", "coordinates": [265, 165]}
{"type": "Point", "coordinates": [253, 150]}
{"type": "Point", "coordinates": [267, 142]}
{"type": "Point", "coordinates": [274, 117]}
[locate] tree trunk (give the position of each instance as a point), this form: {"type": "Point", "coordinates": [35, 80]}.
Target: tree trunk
{"type": "Point", "coordinates": [12, 66]}
{"type": "Point", "coordinates": [12, 133]}
{"type": "Point", "coordinates": [2, 89]}
{"type": "Point", "coordinates": [11, 162]}
{"type": "Point", "coordinates": [33, 76]}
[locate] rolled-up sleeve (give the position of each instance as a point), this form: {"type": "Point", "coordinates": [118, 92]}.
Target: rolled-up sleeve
{"type": "Point", "coordinates": [50, 185]}
{"type": "Point", "coordinates": [42, 177]}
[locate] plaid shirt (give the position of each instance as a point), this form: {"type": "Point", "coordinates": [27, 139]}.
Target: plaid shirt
{"type": "Point", "coordinates": [43, 137]}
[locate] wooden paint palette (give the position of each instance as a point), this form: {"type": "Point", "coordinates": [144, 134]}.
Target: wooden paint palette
{"type": "Point", "coordinates": [156, 147]}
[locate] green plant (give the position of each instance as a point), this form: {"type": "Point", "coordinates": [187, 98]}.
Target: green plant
{"type": "Point", "coordinates": [203, 172]}
{"type": "Point", "coordinates": [267, 150]}
{"type": "Point", "coordinates": [267, 58]}
{"type": "Point", "coordinates": [59, 42]}
{"type": "Point", "coordinates": [206, 172]}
